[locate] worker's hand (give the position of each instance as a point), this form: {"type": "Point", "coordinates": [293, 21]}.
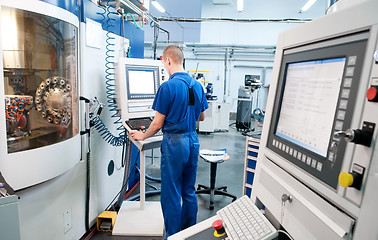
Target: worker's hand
{"type": "Point", "coordinates": [137, 135]}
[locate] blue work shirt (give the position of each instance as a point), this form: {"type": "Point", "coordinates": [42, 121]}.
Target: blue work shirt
{"type": "Point", "coordinates": [172, 99]}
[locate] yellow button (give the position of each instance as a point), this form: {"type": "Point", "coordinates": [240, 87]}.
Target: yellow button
{"type": "Point", "coordinates": [346, 179]}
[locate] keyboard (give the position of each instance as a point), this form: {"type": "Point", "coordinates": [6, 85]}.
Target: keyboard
{"type": "Point", "coordinates": [243, 220]}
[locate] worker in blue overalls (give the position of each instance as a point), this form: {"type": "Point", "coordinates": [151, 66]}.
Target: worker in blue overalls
{"type": "Point", "coordinates": [179, 103]}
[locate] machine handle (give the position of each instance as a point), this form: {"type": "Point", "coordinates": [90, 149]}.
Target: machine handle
{"type": "Point", "coordinates": [87, 127]}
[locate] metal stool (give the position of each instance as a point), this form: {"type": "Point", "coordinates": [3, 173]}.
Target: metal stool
{"type": "Point", "coordinates": [212, 190]}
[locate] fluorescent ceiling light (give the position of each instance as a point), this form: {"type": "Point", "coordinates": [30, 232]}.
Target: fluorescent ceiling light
{"type": "Point", "coordinates": [240, 5]}
{"type": "Point", "coordinates": [222, 2]}
{"type": "Point", "coordinates": [158, 6]}
{"type": "Point", "coordinates": [307, 5]}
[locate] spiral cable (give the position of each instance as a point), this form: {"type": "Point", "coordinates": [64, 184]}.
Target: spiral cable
{"type": "Point", "coordinates": [99, 125]}
{"type": "Point", "coordinates": [106, 134]}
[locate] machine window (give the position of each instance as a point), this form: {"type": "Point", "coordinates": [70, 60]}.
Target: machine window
{"type": "Point", "coordinates": [40, 79]}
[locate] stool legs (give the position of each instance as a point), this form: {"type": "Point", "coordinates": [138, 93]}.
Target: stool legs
{"type": "Point", "coordinates": [212, 190]}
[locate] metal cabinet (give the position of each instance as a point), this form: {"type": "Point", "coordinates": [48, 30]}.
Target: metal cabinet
{"type": "Point", "coordinates": [10, 219]}
{"type": "Point", "coordinates": [251, 152]}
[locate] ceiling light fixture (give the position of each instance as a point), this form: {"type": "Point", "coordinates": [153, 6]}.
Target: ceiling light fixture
{"type": "Point", "coordinates": [158, 6]}
{"type": "Point", "coordinates": [307, 5]}
{"type": "Point", "coordinates": [240, 5]}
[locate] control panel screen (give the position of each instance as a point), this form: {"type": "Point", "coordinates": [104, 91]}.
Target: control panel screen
{"type": "Point", "coordinates": [141, 82]}
{"type": "Point", "coordinates": [309, 102]}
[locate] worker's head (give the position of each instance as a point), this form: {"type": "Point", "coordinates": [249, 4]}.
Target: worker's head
{"type": "Point", "coordinates": [173, 59]}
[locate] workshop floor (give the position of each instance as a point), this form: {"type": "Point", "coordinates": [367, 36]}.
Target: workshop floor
{"type": "Point", "coordinates": [229, 173]}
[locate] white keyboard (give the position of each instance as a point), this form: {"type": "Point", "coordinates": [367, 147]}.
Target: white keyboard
{"type": "Point", "coordinates": [243, 220]}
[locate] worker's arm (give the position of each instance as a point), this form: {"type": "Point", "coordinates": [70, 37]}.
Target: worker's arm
{"type": "Point", "coordinates": [155, 126]}
{"type": "Point", "coordinates": [202, 116]}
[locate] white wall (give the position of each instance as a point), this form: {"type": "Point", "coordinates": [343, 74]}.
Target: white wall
{"type": "Point", "coordinates": [254, 33]}
{"type": "Point", "coordinates": [251, 34]}
{"type": "Point", "coordinates": [179, 32]}
{"type": "Point", "coordinates": [264, 34]}
{"type": "Point", "coordinates": [234, 77]}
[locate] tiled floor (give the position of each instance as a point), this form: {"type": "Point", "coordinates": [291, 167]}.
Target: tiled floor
{"type": "Point", "coordinates": [229, 173]}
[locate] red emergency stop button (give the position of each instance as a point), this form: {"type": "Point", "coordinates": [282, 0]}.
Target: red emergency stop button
{"type": "Point", "coordinates": [219, 229]}
{"type": "Point", "coordinates": [372, 94]}
{"type": "Point", "coordinates": [218, 224]}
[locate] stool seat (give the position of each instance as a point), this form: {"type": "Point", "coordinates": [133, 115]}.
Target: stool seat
{"type": "Point", "coordinates": [214, 158]}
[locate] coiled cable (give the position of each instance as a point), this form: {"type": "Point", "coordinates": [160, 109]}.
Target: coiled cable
{"type": "Point", "coordinates": [99, 125]}
{"type": "Point", "coordinates": [105, 133]}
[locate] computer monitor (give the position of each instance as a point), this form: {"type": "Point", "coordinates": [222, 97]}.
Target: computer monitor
{"type": "Point", "coordinates": [137, 81]}
{"type": "Point", "coordinates": [315, 98]}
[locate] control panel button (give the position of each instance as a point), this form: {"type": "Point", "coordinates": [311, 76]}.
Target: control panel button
{"type": "Point", "coordinates": [352, 60]}
{"type": "Point", "coordinates": [348, 82]}
{"type": "Point", "coordinates": [346, 179]}
{"type": "Point", "coordinates": [352, 179]}
{"type": "Point", "coordinates": [349, 72]}
{"type": "Point", "coordinates": [372, 94]}
{"type": "Point", "coordinates": [334, 147]}
{"type": "Point", "coordinates": [218, 224]}
{"type": "Point", "coordinates": [219, 229]}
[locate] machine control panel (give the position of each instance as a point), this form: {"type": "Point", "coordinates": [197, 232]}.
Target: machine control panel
{"type": "Point", "coordinates": [137, 82]}
{"type": "Point", "coordinates": [319, 141]}
{"type": "Point", "coordinates": [315, 104]}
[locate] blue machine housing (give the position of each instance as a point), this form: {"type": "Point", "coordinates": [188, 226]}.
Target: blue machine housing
{"type": "Point", "coordinates": [84, 9]}
{"type": "Point", "coordinates": [135, 35]}
{"type": "Point", "coordinates": [72, 6]}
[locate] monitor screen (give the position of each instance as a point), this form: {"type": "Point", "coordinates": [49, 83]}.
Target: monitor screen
{"type": "Point", "coordinates": [309, 103]}
{"type": "Point", "coordinates": [142, 81]}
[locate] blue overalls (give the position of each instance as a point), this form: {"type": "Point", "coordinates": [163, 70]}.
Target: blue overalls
{"type": "Point", "coordinates": [180, 149]}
